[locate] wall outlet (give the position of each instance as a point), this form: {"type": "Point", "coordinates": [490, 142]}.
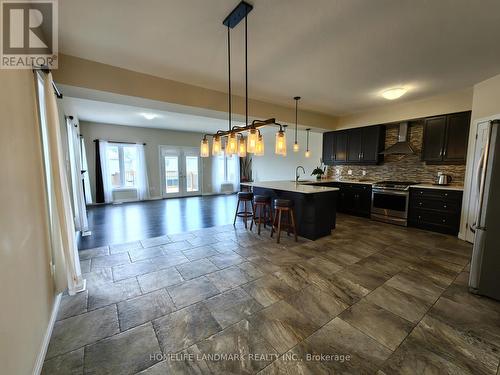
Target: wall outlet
{"type": "Point", "coordinates": [363, 173]}
{"type": "Point", "coordinates": [349, 172]}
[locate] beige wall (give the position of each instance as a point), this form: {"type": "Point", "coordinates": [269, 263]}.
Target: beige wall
{"type": "Point", "coordinates": [153, 139]}
{"type": "Point", "coordinates": [437, 105]}
{"type": "Point", "coordinates": [486, 98]}
{"type": "Point", "coordinates": [25, 280]}
{"type": "Point", "coordinates": [88, 74]}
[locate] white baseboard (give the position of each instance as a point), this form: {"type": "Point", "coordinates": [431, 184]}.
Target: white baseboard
{"type": "Point", "coordinates": [46, 339]}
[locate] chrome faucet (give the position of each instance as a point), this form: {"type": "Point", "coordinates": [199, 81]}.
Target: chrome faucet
{"type": "Point", "coordinates": [297, 172]}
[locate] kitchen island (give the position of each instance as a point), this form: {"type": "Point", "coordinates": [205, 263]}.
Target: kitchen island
{"type": "Point", "coordinates": [315, 206]}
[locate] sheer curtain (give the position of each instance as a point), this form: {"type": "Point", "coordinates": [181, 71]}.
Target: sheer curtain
{"type": "Point", "coordinates": [86, 175]}
{"type": "Point", "coordinates": [142, 174]}
{"type": "Point", "coordinates": [62, 229]}
{"type": "Point", "coordinates": [106, 175]}
{"type": "Point", "coordinates": [75, 161]}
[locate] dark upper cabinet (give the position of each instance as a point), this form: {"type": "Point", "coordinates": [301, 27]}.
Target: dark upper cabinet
{"type": "Point", "coordinates": [373, 142]}
{"type": "Point", "coordinates": [353, 146]}
{"type": "Point", "coordinates": [434, 133]}
{"type": "Point", "coordinates": [445, 138]}
{"type": "Point", "coordinates": [354, 139]}
{"type": "Point", "coordinates": [457, 137]}
{"type": "Point", "coordinates": [328, 140]}
{"type": "Point", "coordinates": [340, 147]}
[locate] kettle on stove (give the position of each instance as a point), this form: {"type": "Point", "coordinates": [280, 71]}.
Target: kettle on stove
{"type": "Point", "coordinates": [443, 179]}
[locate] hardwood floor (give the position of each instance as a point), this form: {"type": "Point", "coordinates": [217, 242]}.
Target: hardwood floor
{"type": "Point", "coordinates": [372, 298]}
{"type": "Point", "coordinates": [120, 223]}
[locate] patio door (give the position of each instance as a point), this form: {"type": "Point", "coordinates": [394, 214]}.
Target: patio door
{"type": "Point", "coordinates": [180, 171]}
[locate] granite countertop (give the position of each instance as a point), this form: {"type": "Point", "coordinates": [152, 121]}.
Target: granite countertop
{"type": "Point", "coordinates": [438, 187]}
{"type": "Point", "coordinates": [301, 187]}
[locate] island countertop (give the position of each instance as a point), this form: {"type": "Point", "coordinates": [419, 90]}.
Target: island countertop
{"type": "Point", "coordinates": [291, 186]}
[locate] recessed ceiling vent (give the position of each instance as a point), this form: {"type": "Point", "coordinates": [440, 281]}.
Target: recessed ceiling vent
{"type": "Point", "coordinates": [402, 146]}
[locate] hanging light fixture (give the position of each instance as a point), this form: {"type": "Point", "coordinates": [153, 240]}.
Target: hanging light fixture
{"type": "Point", "coordinates": [232, 144]}
{"type": "Point", "coordinates": [253, 137]}
{"type": "Point", "coordinates": [280, 146]}
{"type": "Point", "coordinates": [296, 145]}
{"type": "Point", "coordinates": [204, 149]}
{"type": "Point", "coordinates": [255, 141]}
{"type": "Point", "coordinates": [259, 147]}
{"type": "Point", "coordinates": [308, 153]}
{"type": "Point", "coordinates": [242, 147]}
{"type": "Point", "coordinates": [216, 146]}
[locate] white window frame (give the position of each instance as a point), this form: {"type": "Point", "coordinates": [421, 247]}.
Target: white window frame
{"type": "Point", "coordinates": [121, 164]}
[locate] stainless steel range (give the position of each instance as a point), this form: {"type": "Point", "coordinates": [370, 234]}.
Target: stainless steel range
{"type": "Point", "coordinates": [390, 201]}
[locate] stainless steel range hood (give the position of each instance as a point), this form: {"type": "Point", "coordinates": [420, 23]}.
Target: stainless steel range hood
{"type": "Point", "coordinates": [402, 146]}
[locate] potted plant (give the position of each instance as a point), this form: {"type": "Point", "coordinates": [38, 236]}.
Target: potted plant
{"type": "Point", "coordinates": [318, 172]}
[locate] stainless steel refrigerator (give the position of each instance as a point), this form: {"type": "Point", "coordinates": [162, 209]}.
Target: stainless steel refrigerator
{"type": "Point", "coordinates": [485, 265]}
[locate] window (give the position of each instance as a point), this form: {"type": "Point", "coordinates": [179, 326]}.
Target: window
{"type": "Point", "coordinates": [122, 161]}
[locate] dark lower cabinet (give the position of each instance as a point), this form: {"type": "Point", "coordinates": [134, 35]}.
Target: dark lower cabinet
{"type": "Point", "coordinates": [353, 199]}
{"type": "Point", "coordinates": [438, 210]}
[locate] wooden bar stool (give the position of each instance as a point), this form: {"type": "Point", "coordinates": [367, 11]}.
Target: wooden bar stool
{"type": "Point", "coordinates": [280, 206]}
{"type": "Point", "coordinates": [262, 211]}
{"type": "Point", "coordinates": [245, 197]}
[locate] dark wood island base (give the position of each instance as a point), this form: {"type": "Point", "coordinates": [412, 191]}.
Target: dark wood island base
{"type": "Point", "coordinates": [315, 213]}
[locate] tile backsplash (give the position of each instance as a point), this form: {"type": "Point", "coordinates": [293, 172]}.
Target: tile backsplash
{"type": "Point", "coordinates": [400, 167]}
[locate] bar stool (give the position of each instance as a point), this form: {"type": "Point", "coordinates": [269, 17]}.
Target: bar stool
{"type": "Point", "coordinates": [262, 208]}
{"type": "Point", "coordinates": [245, 197]}
{"type": "Point", "coordinates": [280, 206]}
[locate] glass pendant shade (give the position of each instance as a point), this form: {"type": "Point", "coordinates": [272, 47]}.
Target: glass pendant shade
{"type": "Point", "coordinates": [296, 147]}
{"type": "Point", "coordinates": [280, 146]}
{"type": "Point", "coordinates": [259, 147]}
{"type": "Point", "coordinates": [308, 154]}
{"type": "Point", "coordinates": [204, 149]}
{"type": "Point", "coordinates": [242, 148]}
{"type": "Point", "coordinates": [252, 140]}
{"type": "Point", "coordinates": [216, 146]}
{"type": "Point", "coordinates": [232, 144]}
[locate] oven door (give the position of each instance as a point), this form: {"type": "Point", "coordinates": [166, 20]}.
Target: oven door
{"type": "Point", "coordinates": [390, 203]}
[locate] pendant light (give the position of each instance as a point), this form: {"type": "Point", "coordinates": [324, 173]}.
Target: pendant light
{"type": "Point", "coordinates": [296, 145]}
{"type": "Point", "coordinates": [308, 153]}
{"type": "Point", "coordinates": [216, 146]}
{"type": "Point", "coordinates": [204, 149]}
{"type": "Point", "coordinates": [242, 147]}
{"type": "Point", "coordinates": [232, 144]}
{"type": "Point", "coordinates": [280, 146]}
{"type": "Point", "coordinates": [259, 147]}
{"type": "Point", "coordinates": [253, 137]}
{"type": "Point", "coordinates": [254, 142]}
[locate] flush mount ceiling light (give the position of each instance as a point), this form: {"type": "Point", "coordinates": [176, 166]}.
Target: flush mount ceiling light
{"type": "Point", "coordinates": [394, 93]}
{"type": "Point", "coordinates": [149, 116]}
{"type": "Point", "coordinates": [255, 142]}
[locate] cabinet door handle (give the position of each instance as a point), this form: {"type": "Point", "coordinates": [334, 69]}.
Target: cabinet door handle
{"type": "Point", "coordinates": [420, 203]}
{"type": "Point", "coordinates": [359, 156]}
{"type": "Point", "coordinates": [445, 206]}
{"type": "Point", "coordinates": [362, 155]}
{"type": "Point", "coordinates": [444, 220]}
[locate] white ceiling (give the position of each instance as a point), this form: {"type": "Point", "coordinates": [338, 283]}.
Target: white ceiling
{"type": "Point", "coordinates": [337, 54]}
{"type": "Point", "coordinates": [121, 114]}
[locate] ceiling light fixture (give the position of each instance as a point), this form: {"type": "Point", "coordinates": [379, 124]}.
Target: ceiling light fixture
{"type": "Point", "coordinates": [149, 116]}
{"type": "Point", "coordinates": [394, 93]}
{"type": "Point", "coordinates": [255, 142]}
{"type": "Point", "coordinates": [308, 153]}
{"type": "Point", "coordinates": [296, 145]}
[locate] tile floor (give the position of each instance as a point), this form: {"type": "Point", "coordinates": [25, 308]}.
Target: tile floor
{"type": "Point", "coordinates": [375, 298]}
